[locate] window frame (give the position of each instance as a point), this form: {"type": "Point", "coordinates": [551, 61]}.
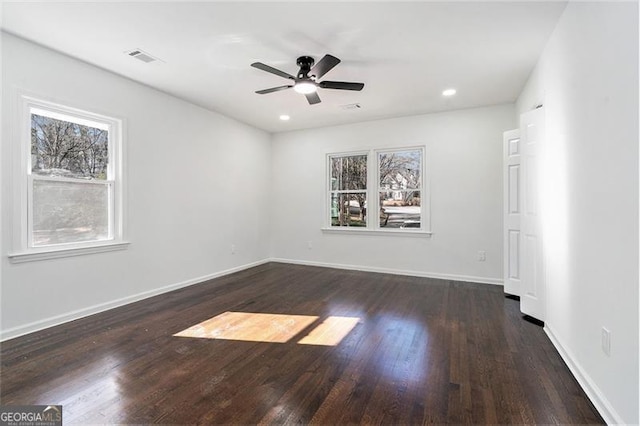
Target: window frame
{"type": "Point", "coordinates": [331, 190]}
{"type": "Point", "coordinates": [373, 194]}
{"type": "Point", "coordinates": [23, 248]}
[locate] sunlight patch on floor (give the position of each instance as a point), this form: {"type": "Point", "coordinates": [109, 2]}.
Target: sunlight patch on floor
{"type": "Point", "coordinates": [248, 326]}
{"type": "Point", "coordinates": [272, 328]}
{"type": "Point", "coordinates": [330, 332]}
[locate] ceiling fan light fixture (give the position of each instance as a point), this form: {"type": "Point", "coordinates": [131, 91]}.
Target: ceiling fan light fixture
{"type": "Point", "coordinates": [306, 80]}
{"type": "Point", "coordinates": [305, 87]}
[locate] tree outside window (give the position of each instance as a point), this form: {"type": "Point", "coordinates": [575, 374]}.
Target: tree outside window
{"type": "Point", "coordinates": [400, 181]}
{"type": "Point", "coordinates": [348, 190]}
{"type": "Point", "coordinates": [395, 192]}
{"type": "Point", "coordinates": [70, 179]}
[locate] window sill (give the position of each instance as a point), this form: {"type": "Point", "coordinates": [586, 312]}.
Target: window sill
{"type": "Point", "coordinates": [55, 253]}
{"type": "Point", "coordinates": [364, 231]}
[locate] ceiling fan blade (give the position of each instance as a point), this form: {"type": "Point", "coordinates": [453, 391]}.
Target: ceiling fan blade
{"type": "Point", "coordinates": [325, 65]}
{"type": "Point", "coordinates": [313, 98]}
{"type": "Point", "coordinates": [273, 89]}
{"type": "Point", "coordinates": [272, 70]}
{"type": "Point", "coordinates": [341, 85]}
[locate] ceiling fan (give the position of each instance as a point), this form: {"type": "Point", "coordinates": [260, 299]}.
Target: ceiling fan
{"type": "Point", "coordinates": [306, 82]}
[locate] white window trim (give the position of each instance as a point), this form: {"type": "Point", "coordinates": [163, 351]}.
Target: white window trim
{"type": "Point", "coordinates": [373, 198]}
{"type": "Point", "coordinates": [58, 252]}
{"type": "Point", "coordinates": [22, 249]}
{"type": "Point", "coordinates": [379, 231]}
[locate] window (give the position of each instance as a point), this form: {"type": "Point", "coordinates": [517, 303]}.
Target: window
{"type": "Point", "coordinates": [71, 185]}
{"type": "Point", "coordinates": [348, 196]}
{"type": "Point", "coordinates": [399, 183]}
{"type": "Point", "coordinates": [391, 181]}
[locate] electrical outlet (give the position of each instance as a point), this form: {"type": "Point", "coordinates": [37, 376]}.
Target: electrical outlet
{"type": "Point", "coordinates": [482, 255]}
{"type": "Point", "coordinates": [233, 249]}
{"type": "Point", "coordinates": [606, 341]}
{"type": "Point", "coordinates": [309, 244]}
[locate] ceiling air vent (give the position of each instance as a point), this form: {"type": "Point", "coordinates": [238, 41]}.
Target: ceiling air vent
{"type": "Point", "coordinates": [351, 106]}
{"type": "Point", "coordinates": [141, 55]}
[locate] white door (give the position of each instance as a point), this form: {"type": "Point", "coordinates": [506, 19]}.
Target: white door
{"type": "Point", "coordinates": [532, 297]}
{"type": "Point", "coordinates": [511, 212]}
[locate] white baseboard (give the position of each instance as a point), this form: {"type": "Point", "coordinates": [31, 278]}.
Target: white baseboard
{"type": "Point", "coordinates": [594, 393]}
{"type": "Point", "coordinates": [84, 312]}
{"type": "Point", "coordinates": [450, 277]}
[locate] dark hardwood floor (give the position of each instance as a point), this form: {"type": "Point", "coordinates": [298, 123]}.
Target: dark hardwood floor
{"type": "Point", "coordinates": [423, 351]}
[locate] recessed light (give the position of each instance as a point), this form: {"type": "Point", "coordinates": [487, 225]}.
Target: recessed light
{"type": "Point", "coordinates": [449, 92]}
{"type": "Point", "coordinates": [284, 117]}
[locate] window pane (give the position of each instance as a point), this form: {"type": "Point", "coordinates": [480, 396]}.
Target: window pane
{"type": "Point", "coordinates": [68, 212]}
{"type": "Point", "coordinates": [400, 170]}
{"type": "Point", "coordinates": [400, 209]}
{"type": "Point", "coordinates": [348, 209]}
{"type": "Point", "coordinates": [349, 172]}
{"type": "Point", "coordinates": [62, 148]}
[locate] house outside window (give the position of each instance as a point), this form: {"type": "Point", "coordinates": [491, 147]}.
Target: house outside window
{"type": "Point", "coordinates": [399, 188]}
{"type": "Point", "coordinates": [391, 182]}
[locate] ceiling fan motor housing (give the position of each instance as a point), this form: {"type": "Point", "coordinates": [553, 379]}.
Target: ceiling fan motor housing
{"type": "Point", "coordinates": [305, 63]}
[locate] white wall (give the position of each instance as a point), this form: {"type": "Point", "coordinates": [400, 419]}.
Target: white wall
{"type": "Point", "coordinates": [464, 166]}
{"type": "Point", "coordinates": [197, 182]}
{"type": "Point", "coordinates": [587, 79]}
{"type": "Point", "coordinates": [185, 208]}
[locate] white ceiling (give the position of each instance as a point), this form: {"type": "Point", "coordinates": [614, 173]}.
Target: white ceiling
{"type": "Point", "coordinates": [405, 53]}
